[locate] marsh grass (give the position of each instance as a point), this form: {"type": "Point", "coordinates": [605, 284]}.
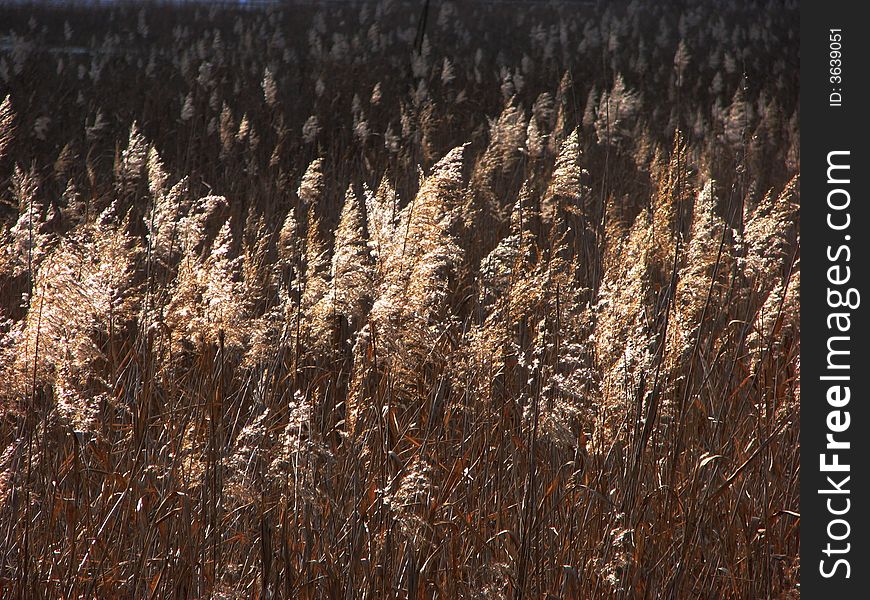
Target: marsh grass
{"type": "Point", "coordinates": [291, 307]}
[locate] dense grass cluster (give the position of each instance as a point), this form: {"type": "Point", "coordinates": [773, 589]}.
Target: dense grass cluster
{"type": "Point", "coordinates": [334, 301]}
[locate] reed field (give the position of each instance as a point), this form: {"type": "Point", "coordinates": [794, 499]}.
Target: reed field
{"type": "Point", "coordinates": [361, 300]}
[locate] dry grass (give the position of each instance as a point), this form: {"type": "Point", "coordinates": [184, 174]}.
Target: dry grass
{"type": "Point", "coordinates": [293, 308]}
